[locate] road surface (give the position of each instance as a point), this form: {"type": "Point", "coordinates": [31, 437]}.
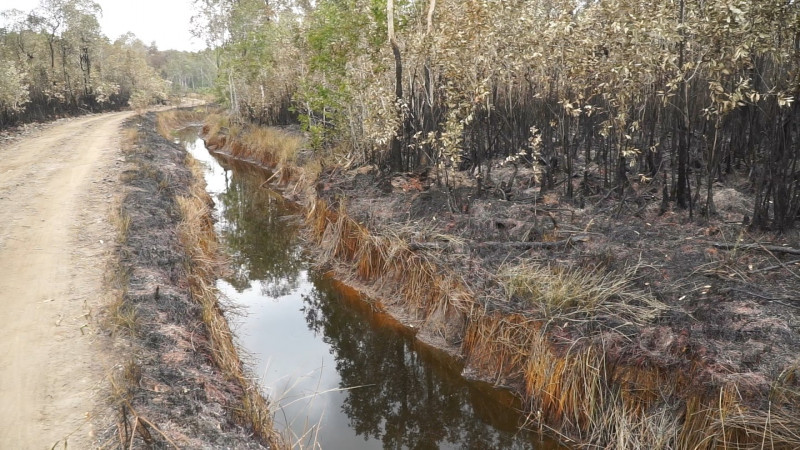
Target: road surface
{"type": "Point", "coordinates": [57, 191]}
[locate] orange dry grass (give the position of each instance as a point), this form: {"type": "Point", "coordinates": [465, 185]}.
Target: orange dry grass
{"type": "Point", "coordinates": [388, 264]}
{"type": "Point", "coordinates": [267, 146]}
{"type": "Point", "coordinates": [514, 350]}
{"type": "Point", "coordinates": [576, 390]}
{"type": "Point", "coordinates": [170, 120]}
{"type": "Point", "coordinates": [271, 145]}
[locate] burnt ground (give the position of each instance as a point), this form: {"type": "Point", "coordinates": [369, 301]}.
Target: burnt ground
{"type": "Point", "coordinates": [170, 382]}
{"type": "Point", "coordinates": [730, 316]}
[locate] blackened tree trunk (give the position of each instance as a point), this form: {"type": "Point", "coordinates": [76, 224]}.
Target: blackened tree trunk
{"type": "Point", "coordinates": [682, 194]}
{"type": "Point", "coordinates": [395, 149]}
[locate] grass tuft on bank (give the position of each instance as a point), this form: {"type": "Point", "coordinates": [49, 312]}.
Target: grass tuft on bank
{"type": "Point", "coordinates": [577, 294]}
{"type": "Point", "coordinates": [274, 148]}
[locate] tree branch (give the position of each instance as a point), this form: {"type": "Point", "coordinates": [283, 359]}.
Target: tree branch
{"type": "Point", "coordinates": [771, 248]}
{"type": "Point", "coordinates": [514, 245]}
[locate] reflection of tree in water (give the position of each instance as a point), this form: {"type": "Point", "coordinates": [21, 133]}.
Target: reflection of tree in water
{"type": "Point", "coordinates": [186, 136]}
{"type": "Point", "coordinates": [406, 404]}
{"type": "Point", "coordinates": [261, 242]}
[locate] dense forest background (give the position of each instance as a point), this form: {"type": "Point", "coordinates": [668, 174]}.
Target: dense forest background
{"type": "Point", "coordinates": [676, 93]}
{"type": "Point", "coordinates": [55, 61]}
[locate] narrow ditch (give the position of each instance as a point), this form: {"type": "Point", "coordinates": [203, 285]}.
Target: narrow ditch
{"type": "Point", "coordinates": [344, 375]}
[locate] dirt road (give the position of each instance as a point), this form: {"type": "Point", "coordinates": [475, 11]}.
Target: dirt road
{"type": "Point", "coordinates": [57, 188]}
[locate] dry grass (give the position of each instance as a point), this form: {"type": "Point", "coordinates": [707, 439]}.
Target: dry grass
{"type": "Point", "coordinates": [129, 138]}
{"type": "Point", "coordinates": [560, 294]}
{"type": "Point", "coordinates": [131, 426]}
{"type": "Point", "coordinates": [170, 120]}
{"type": "Point", "coordinates": [214, 124]}
{"type": "Point", "coordinates": [270, 147]}
{"type": "Point", "coordinates": [387, 264]}
{"type": "Point", "coordinates": [196, 233]}
{"type": "Point", "coordinates": [122, 223]}
{"type": "Point", "coordinates": [605, 405]}
{"type": "Point", "coordinates": [120, 316]}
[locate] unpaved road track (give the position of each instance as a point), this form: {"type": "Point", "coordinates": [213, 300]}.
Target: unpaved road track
{"type": "Point", "coordinates": [57, 189]}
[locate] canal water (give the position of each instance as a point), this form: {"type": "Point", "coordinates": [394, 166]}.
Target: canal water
{"type": "Point", "coordinates": [344, 376]}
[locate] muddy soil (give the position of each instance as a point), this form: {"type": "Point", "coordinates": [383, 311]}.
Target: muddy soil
{"type": "Point", "coordinates": [57, 184]}
{"type": "Point", "coordinates": [172, 381]}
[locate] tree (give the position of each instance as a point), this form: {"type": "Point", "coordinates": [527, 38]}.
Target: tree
{"type": "Point", "coordinates": [681, 91]}
{"type": "Point", "coordinates": [56, 61]}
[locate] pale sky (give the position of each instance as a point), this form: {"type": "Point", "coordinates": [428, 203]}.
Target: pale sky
{"type": "Point", "coordinates": [163, 21]}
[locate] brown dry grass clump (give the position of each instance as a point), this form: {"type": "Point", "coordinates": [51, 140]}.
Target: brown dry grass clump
{"type": "Point", "coordinates": [270, 147]}
{"type": "Point", "coordinates": [577, 294]}
{"type": "Point", "coordinates": [173, 119]}
{"type": "Point", "coordinates": [386, 262]}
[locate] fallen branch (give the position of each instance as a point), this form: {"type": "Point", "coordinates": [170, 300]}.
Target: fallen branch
{"type": "Point", "coordinates": [771, 248]}
{"type": "Point", "coordinates": [776, 266]}
{"type": "Point", "coordinates": [515, 245]}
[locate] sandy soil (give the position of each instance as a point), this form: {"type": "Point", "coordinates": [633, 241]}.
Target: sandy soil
{"type": "Point", "coordinates": [56, 191]}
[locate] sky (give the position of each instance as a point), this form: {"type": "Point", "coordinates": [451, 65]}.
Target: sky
{"type": "Point", "coordinates": [164, 21]}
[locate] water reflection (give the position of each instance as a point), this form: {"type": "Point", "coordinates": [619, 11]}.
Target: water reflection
{"type": "Point", "coordinates": [345, 376]}
{"type": "Point", "coordinates": [262, 246]}
{"type": "Point", "coordinates": [404, 403]}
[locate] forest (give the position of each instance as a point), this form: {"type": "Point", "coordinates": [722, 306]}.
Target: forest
{"type": "Point", "coordinates": [685, 94]}
{"type": "Point", "coordinates": [55, 61]}
{"type": "Point", "coordinates": [679, 94]}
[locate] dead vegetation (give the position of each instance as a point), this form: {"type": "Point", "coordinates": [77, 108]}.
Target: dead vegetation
{"type": "Point", "coordinates": [584, 338]}
{"type": "Point", "coordinates": [266, 146]}
{"type": "Point", "coordinates": [181, 384]}
{"type": "Point", "coordinates": [170, 120]}
{"type": "Point", "coordinates": [563, 294]}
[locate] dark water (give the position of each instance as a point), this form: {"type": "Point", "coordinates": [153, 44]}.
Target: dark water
{"type": "Point", "coordinates": [345, 376]}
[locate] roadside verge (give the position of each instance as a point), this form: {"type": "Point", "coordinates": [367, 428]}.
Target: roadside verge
{"type": "Point", "coordinates": [183, 384]}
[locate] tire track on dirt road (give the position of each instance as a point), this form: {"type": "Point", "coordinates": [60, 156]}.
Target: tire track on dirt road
{"type": "Point", "coordinates": [56, 193]}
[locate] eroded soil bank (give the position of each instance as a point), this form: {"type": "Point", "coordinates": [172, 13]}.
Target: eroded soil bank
{"type": "Point", "coordinates": [652, 332]}
{"type": "Point", "coordinates": [180, 386]}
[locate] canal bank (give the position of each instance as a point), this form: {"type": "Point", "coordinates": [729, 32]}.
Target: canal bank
{"type": "Point", "coordinates": [179, 383]}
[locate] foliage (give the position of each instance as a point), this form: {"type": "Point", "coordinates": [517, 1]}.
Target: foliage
{"type": "Point", "coordinates": [185, 71]}
{"type": "Point", "coordinates": [13, 92]}
{"type": "Point", "coordinates": [54, 60]}
{"type": "Point", "coordinates": [682, 91]}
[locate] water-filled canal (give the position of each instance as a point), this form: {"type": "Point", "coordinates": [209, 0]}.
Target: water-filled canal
{"type": "Point", "coordinates": [345, 376]}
